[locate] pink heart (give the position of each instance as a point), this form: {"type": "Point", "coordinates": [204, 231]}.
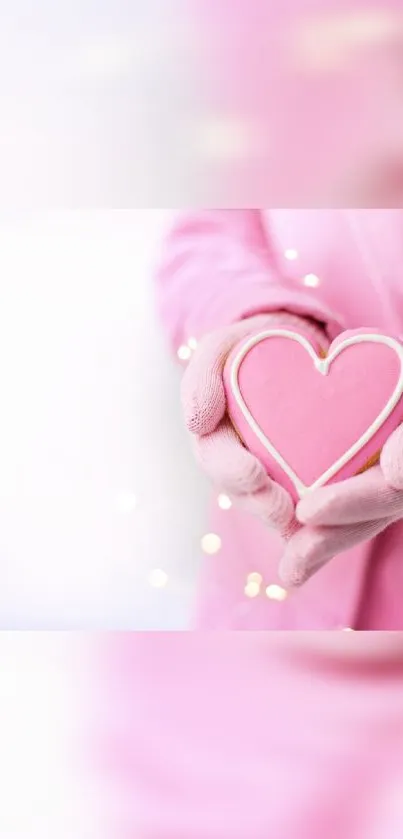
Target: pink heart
{"type": "Point", "coordinates": [314, 420]}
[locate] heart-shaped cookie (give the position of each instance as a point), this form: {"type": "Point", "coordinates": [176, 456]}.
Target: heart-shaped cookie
{"type": "Point", "coordinates": [312, 418]}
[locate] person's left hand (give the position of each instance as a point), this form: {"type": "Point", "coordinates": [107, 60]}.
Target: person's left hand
{"type": "Point", "coordinates": [337, 517]}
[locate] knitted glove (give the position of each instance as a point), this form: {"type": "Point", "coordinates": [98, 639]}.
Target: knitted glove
{"type": "Point", "coordinates": [231, 467]}
{"type": "Point", "coordinates": [339, 516]}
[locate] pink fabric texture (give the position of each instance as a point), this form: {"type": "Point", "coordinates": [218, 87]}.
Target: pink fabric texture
{"type": "Point", "coordinates": [342, 269]}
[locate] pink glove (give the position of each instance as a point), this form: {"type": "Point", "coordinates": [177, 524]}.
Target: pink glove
{"type": "Point", "coordinates": [220, 452]}
{"type": "Point", "coordinates": [339, 516]}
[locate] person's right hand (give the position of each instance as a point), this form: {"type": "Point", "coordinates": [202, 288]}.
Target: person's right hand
{"type": "Point", "coordinates": [230, 466]}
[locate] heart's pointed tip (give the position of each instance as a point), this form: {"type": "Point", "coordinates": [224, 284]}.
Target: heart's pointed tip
{"type": "Point", "coordinates": [322, 366]}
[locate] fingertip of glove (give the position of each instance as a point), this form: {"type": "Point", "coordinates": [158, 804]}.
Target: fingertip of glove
{"type": "Point", "coordinates": [302, 557]}
{"type": "Point", "coordinates": [292, 576]}
{"type": "Point", "coordinates": [280, 510]}
{"type": "Point", "coordinates": [203, 409]}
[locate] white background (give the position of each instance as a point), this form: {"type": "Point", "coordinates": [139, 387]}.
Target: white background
{"type": "Point", "coordinates": [45, 781]}
{"type": "Point", "coordinates": [97, 484]}
{"type": "Point", "coordinates": [95, 103]}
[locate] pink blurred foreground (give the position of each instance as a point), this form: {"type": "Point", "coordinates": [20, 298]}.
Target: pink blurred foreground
{"type": "Point", "coordinates": [246, 735]}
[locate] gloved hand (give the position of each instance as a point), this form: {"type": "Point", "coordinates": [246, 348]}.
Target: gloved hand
{"type": "Point", "coordinates": [339, 516]}
{"type": "Point", "coordinates": [231, 467]}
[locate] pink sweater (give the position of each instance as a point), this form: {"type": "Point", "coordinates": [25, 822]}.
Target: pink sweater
{"type": "Point", "coordinates": [343, 268]}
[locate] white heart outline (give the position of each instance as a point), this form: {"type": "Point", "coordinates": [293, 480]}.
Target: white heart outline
{"type": "Point", "coordinates": [322, 365]}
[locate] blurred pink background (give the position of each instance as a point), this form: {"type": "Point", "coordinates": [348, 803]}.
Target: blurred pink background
{"type": "Point", "coordinates": [208, 103]}
{"type": "Point", "coordinates": [307, 101]}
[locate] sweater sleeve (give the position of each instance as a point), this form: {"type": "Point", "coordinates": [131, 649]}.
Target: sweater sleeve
{"type": "Point", "coordinates": [218, 267]}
